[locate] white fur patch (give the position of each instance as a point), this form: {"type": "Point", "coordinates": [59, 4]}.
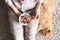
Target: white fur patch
{"type": "Point", "coordinates": [41, 1]}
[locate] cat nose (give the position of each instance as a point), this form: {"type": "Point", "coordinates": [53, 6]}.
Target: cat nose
{"type": "Point", "coordinates": [35, 0]}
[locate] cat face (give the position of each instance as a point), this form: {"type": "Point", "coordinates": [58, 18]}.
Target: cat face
{"type": "Point", "coordinates": [24, 18]}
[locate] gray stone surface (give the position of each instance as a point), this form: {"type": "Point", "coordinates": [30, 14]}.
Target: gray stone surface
{"type": "Point", "coordinates": [56, 25]}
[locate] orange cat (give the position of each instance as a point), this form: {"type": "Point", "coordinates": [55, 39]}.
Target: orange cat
{"type": "Point", "coordinates": [46, 14]}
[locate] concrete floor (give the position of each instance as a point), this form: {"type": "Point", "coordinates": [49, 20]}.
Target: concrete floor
{"type": "Point", "coordinates": [56, 25]}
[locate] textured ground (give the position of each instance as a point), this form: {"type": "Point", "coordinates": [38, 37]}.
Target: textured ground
{"type": "Point", "coordinates": [56, 25]}
{"type": "Point", "coordinates": [5, 33]}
